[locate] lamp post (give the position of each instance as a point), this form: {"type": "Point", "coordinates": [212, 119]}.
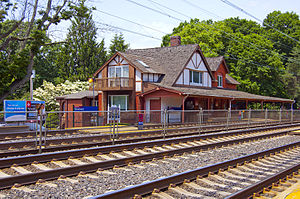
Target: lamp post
{"type": "Point", "coordinates": [31, 84]}
{"type": "Point", "coordinates": [92, 80]}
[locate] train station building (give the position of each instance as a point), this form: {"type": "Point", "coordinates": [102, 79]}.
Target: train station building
{"type": "Point", "coordinates": [178, 77]}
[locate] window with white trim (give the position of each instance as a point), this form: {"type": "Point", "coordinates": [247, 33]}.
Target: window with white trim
{"type": "Point", "coordinates": [220, 81]}
{"type": "Point", "coordinates": [196, 77]}
{"type": "Point", "coordinates": [119, 100]}
{"type": "Point", "coordinates": [118, 71]}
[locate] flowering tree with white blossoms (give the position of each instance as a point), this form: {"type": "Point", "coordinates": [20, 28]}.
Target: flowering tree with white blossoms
{"type": "Point", "coordinates": [48, 92]}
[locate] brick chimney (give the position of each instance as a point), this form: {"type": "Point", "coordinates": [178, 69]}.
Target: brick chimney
{"type": "Point", "coordinates": [175, 40]}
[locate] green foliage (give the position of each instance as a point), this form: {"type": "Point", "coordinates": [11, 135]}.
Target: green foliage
{"type": "Point", "coordinates": [287, 23]}
{"type": "Point", "coordinates": [52, 120]}
{"type": "Point", "coordinates": [292, 75]}
{"type": "Point", "coordinates": [117, 44]}
{"type": "Point", "coordinates": [48, 92]}
{"type": "Point", "coordinates": [256, 61]}
{"type": "Point", "coordinates": [81, 56]}
{"type": "Point", "coordinates": [21, 41]}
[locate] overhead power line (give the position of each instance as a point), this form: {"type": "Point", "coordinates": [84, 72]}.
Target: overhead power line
{"type": "Point", "coordinates": [264, 23]}
{"type": "Point", "coordinates": [222, 18]}
{"type": "Point", "coordinates": [154, 10]}
{"type": "Point", "coordinates": [126, 30]}
{"type": "Point", "coordinates": [131, 21]}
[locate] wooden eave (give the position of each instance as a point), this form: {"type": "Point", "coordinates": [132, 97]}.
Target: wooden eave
{"type": "Point", "coordinates": [107, 62]}
{"type": "Point", "coordinates": [197, 49]}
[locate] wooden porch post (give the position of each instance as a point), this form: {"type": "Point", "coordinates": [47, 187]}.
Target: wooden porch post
{"type": "Point", "coordinates": [246, 104]}
{"type": "Point", "coordinates": [208, 103]}
{"type": "Point", "coordinates": [262, 105]}
{"type": "Point", "coordinates": [182, 113]}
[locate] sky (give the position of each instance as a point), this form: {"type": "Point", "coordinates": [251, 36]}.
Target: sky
{"type": "Point", "coordinates": [162, 24]}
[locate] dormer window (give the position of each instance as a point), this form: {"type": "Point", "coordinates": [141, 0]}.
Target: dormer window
{"type": "Point", "coordinates": [196, 77]}
{"type": "Point", "coordinates": [220, 81]}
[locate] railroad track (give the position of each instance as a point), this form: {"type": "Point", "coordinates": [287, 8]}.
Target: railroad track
{"type": "Point", "coordinates": [265, 173]}
{"type": "Point", "coordinates": [69, 132]}
{"type": "Point", "coordinates": [30, 147]}
{"type": "Point", "coordinates": [16, 171]}
{"type": "Point", "coordinates": [30, 135]}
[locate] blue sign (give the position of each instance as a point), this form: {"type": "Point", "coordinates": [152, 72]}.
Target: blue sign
{"type": "Point", "coordinates": [32, 106]}
{"type": "Point", "coordinates": [86, 108]}
{"type": "Point", "coordinates": [14, 106]}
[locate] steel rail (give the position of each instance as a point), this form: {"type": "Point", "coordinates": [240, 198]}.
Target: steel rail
{"type": "Point", "coordinates": [163, 183]}
{"type": "Point", "coordinates": [125, 143]}
{"type": "Point", "coordinates": [92, 138]}
{"type": "Point", "coordinates": [7, 182]}
{"type": "Point", "coordinates": [99, 144]}
{"type": "Point", "coordinates": [172, 128]}
{"type": "Point", "coordinates": [23, 160]}
{"type": "Point", "coordinates": [266, 183]}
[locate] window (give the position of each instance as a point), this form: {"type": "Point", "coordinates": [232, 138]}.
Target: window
{"type": "Point", "coordinates": [196, 77]}
{"type": "Point", "coordinates": [119, 100]}
{"type": "Point", "coordinates": [220, 81]}
{"type": "Point", "coordinates": [118, 71]}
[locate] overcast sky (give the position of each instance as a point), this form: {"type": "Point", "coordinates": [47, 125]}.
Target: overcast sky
{"type": "Point", "coordinates": [164, 24]}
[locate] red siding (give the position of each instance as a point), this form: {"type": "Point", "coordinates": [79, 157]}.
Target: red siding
{"type": "Point", "coordinates": [222, 71]}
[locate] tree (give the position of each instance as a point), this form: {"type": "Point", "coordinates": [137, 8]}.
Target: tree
{"type": "Point", "coordinates": [292, 76]}
{"type": "Point", "coordinates": [249, 56]}
{"type": "Point", "coordinates": [46, 66]}
{"type": "Point", "coordinates": [117, 44]}
{"type": "Point", "coordinates": [20, 41]}
{"type": "Point", "coordinates": [48, 92]}
{"type": "Point", "coordinates": [81, 56]}
{"type": "Point", "coordinates": [287, 23]}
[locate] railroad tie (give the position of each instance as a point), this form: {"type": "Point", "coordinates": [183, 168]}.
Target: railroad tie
{"type": "Point", "coordinates": [20, 170]}
{"type": "Point", "coordinates": [181, 191]}
{"type": "Point", "coordinates": [247, 171]}
{"type": "Point", "coordinates": [45, 183]}
{"type": "Point", "coordinates": [106, 172]}
{"type": "Point", "coordinates": [88, 175]}
{"type": "Point", "coordinates": [162, 195]}
{"type": "Point", "coordinates": [170, 147]}
{"type": "Point", "coordinates": [23, 188]}
{"type": "Point", "coordinates": [160, 148]}
{"type": "Point", "coordinates": [213, 184]}
{"type": "Point", "coordinates": [118, 155]}
{"type": "Point", "coordinates": [60, 164]}
{"type": "Point", "coordinates": [199, 187]}
{"type": "Point", "coordinates": [238, 176]}
{"type": "Point", "coordinates": [41, 167]}
{"type": "Point", "coordinates": [252, 166]}
{"type": "Point", "coordinates": [77, 161]}
{"type": "Point", "coordinates": [106, 157]}
{"type": "Point", "coordinates": [73, 181]}
{"type": "Point", "coordinates": [3, 175]}
{"type": "Point", "coordinates": [92, 159]}
{"type": "Point", "coordinates": [141, 151]}
{"type": "Point", "coordinates": [129, 153]}
{"type": "Point", "coordinates": [230, 180]}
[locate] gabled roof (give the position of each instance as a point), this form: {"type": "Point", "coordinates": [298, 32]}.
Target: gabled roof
{"type": "Point", "coordinates": [79, 95]}
{"type": "Point", "coordinates": [231, 80]}
{"type": "Point", "coordinates": [223, 93]}
{"type": "Point", "coordinates": [166, 60]}
{"type": "Point", "coordinates": [215, 62]}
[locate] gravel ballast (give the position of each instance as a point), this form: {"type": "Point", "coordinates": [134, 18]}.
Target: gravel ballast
{"type": "Point", "coordinates": [132, 175]}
